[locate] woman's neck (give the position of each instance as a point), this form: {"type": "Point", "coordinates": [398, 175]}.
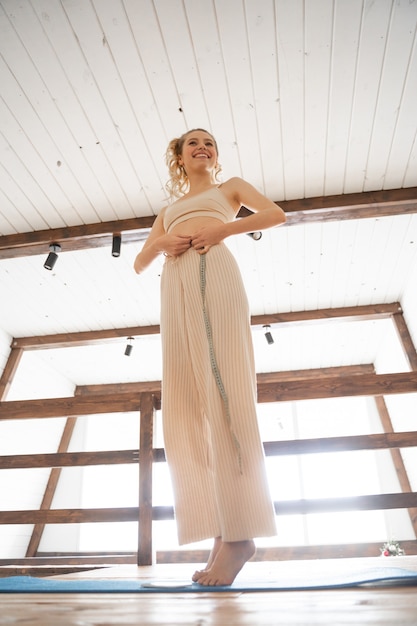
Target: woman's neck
{"type": "Point", "coordinates": [200, 183]}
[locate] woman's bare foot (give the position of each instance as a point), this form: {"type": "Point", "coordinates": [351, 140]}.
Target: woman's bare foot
{"type": "Point", "coordinates": [228, 562]}
{"type": "Point", "coordinates": [214, 551]}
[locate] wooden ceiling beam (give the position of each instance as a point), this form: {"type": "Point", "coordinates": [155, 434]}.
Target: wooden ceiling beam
{"type": "Point", "coordinates": [353, 206]}
{"type": "Point", "coordinates": [322, 445]}
{"type": "Point", "coordinates": [396, 456]}
{"type": "Point", "coordinates": [317, 445]}
{"type": "Point", "coordinates": [367, 312]}
{"type": "Point", "coordinates": [345, 386]}
{"type": "Point", "coordinates": [85, 338]}
{"type": "Point", "coordinates": [51, 487]}
{"type": "Point", "coordinates": [9, 371]}
{"type": "Point", "coordinates": [406, 341]}
{"type": "Point", "coordinates": [308, 389]}
{"type": "Point", "coordinates": [375, 502]}
{"type": "Point", "coordinates": [74, 459]}
{"type": "Point", "coordinates": [71, 238]}
{"type": "Point", "coordinates": [369, 204]}
{"type": "Point", "coordinates": [69, 407]}
{"type": "Point", "coordinates": [266, 378]}
{"type": "Point", "coordinates": [283, 507]}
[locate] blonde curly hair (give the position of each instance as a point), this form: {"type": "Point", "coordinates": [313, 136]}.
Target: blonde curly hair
{"type": "Point", "coordinates": [178, 183]}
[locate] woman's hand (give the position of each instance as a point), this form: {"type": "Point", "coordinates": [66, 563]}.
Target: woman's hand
{"type": "Point", "coordinates": [173, 245]}
{"type": "Point", "coordinates": [208, 236]}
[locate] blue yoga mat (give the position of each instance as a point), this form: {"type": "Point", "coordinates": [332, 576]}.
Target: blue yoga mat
{"type": "Point", "coordinates": [385, 576]}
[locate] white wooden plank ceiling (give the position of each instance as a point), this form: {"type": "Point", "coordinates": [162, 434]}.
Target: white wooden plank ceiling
{"type": "Point", "coordinates": [306, 98]}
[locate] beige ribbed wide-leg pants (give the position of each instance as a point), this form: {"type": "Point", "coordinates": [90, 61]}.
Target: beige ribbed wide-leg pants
{"type": "Point", "coordinates": [217, 468]}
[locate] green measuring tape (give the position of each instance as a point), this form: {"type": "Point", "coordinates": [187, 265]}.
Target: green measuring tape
{"type": "Point", "coordinates": [213, 362]}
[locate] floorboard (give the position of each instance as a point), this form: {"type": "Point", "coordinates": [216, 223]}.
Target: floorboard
{"type": "Point", "coordinates": [359, 606]}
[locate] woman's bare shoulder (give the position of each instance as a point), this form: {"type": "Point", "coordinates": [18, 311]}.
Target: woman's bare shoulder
{"type": "Point", "coordinates": [232, 183]}
{"type": "Point", "coordinates": [238, 189]}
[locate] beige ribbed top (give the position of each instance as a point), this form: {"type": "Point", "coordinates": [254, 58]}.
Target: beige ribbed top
{"type": "Point", "coordinates": [209, 203]}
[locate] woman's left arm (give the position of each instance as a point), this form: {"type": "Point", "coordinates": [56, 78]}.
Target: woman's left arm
{"type": "Point", "coordinates": [265, 213]}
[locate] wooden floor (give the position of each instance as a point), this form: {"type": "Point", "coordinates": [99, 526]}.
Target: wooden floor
{"type": "Point", "coordinates": [362, 606]}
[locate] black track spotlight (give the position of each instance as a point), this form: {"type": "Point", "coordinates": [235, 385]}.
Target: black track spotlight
{"type": "Point", "coordinates": [256, 236]}
{"type": "Point", "coordinates": [52, 257]}
{"type": "Point", "coordinates": [116, 245]}
{"type": "Point", "coordinates": [268, 335]}
{"type": "Point", "coordinates": [129, 347]}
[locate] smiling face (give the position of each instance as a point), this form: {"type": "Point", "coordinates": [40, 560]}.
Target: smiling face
{"type": "Point", "coordinates": [198, 151]}
{"type": "Point", "coordinates": [193, 154]}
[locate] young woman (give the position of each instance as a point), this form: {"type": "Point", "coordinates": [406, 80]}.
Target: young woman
{"type": "Point", "coordinates": [211, 435]}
